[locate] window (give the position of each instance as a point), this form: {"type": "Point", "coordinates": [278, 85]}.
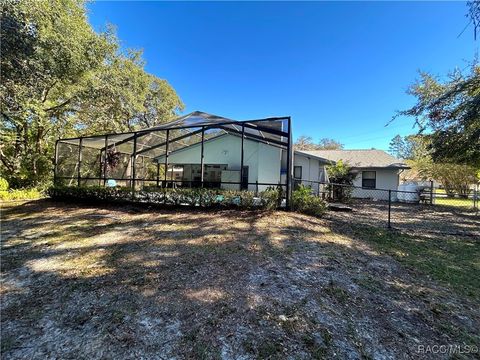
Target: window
{"type": "Point", "coordinates": [297, 172]}
{"type": "Point", "coordinates": [369, 179]}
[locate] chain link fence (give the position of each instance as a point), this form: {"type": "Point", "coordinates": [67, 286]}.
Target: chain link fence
{"type": "Point", "coordinates": [425, 209]}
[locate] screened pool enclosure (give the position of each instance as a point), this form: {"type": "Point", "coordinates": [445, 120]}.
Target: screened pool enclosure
{"type": "Point", "coordinates": [195, 150]}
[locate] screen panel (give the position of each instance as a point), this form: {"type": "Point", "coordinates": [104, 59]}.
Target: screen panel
{"type": "Point", "coordinates": [67, 162]}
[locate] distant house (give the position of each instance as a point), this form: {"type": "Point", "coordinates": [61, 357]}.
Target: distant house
{"type": "Point", "coordinates": [375, 169]}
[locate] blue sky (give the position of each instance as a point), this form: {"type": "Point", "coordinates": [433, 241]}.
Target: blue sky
{"type": "Point", "coordinates": [340, 69]}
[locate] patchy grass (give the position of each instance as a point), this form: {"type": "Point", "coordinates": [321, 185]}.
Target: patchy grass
{"type": "Point", "coordinates": [20, 195]}
{"type": "Point", "coordinates": [451, 260]}
{"type": "Point", "coordinates": [458, 202]}
{"type": "Point", "coordinates": [442, 199]}
{"type": "Point", "coordinates": [126, 282]}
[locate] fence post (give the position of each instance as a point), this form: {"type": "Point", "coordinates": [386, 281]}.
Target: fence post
{"type": "Point", "coordinates": [389, 208]}
{"type": "Point", "coordinates": [431, 192]}
{"type": "Point", "coordinates": [475, 199]}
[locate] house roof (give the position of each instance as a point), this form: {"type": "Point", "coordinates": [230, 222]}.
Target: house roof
{"type": "Point", "coordinates": [311, 155]}
{"type": "Point", "coordinates": [360, 158]}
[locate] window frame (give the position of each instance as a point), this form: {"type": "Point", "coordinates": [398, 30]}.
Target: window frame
{"type": "Point", "coordinates": [301, 172]}
{"type": "Point", "coordinates": [374, 179]}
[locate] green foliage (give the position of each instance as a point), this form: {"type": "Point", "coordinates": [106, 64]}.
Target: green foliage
{"type": "Point", "coordinates": [450, 109]}
{"type": "Point", "coordinates": [306, 143]}
{"type": "Point", "coordinates": [172, 197]}
{"type": "Point", "coordinates": [454, 178]}
{"type": "Point", "coordinates": [340, 173]}
{"type": "Point", "coordinates": [397, 147]}
{"type": "Point", "coordinates": [329, 144]}
{"type": "Point", "coordinates": [247, 199]}
{"type": "Point", "coordinates": [3, 184]}
{"type": "Point", "coordinates": [60, 79]}
{"type": "Point", "coordinates": [304, 201]}
{"type": "Point", "coordinates": [417, 147]}
{"type": "Point", "coordinates": [19, 194]}
{"type": "Point", "coordinates": [271, 198]}
{"type": "Point", "coordinates": [410, 147]}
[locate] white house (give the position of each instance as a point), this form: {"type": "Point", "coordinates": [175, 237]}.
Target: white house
{"type": "Point", "coordinates": [375, 169]}
{"type": "Point", "coordinates": [222, 161]}
{"type": "Point", "coordinates": [174, 153]}
{"type": "Point", "coordinates": [265, 165]}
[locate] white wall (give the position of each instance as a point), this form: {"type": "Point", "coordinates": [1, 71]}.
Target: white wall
{"type": "Point", "coordinates": [263, 160]}
{"type": "Point", "coordinates": [269, 161]}
{"type": "Point", "coordinates": [387, 179]}
{"type": "Point", "coordinates": [311, 169]}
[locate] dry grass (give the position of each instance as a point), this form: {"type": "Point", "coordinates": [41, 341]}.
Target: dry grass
{"type": "Point", "coordinates": [118, 282]}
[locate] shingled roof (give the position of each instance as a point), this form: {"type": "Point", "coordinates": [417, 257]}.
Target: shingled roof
{"type": "Point", "coordinates": [359, 158]}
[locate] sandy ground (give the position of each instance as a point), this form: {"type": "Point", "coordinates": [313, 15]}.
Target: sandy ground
{"type": "Point", "coordinates": [125, 283]}
{"type": "Point", "coordinates": [412, 218]}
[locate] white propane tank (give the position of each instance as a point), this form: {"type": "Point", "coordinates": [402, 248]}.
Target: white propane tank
{"type": "Point", "coordinates": [412, 196]}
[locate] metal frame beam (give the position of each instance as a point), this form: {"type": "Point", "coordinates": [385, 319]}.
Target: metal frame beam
{"type": "Point", "coordinates": [289, 166]}
{"type": "Point", "coordinates": [164, 143]}
{"type": "Point", "coordinates": [166, 157]}
{"type": "Point", "coordinates": [79, 169]}
{"type": "Point", "coordinates": [134, 160]}
{"type": "Point", "coordinates": [105, 161]}
{"type": "Point", "coordinates": [241, 157]}
{"type": "Point", "coordinates": [202, 156]}
{"type": "Point", "coordinates": [55, 165]}
{"type": "Point", "coordinates": [266, 129]}
{"type": "Point", "coordinates": [228, 126]}
{"type": "Point", "coordinates": [256, 137]}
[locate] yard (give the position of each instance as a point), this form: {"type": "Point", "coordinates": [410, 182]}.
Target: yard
{"type": "Point", "coordinates": [441, 198]}
{"type": "Point", "coordinates": [127, 282]}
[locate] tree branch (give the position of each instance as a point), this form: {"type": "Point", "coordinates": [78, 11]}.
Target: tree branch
{"type": "Point", "coordinates": [59, 105]}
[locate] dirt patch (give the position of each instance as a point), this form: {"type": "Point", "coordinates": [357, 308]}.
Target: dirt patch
{"type": "Point", "coordinates": [115, 282]}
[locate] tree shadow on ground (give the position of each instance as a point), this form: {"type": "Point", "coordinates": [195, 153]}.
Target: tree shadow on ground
{"type": "Point", "coordinates": [413, 218]}
{"type": "Point", "coordinates": [122, 282]}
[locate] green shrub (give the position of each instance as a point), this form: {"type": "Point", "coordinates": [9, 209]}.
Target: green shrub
{"type": "Point", "coordinates": [305, 202]}
{"type": "Point", "coordinates": [230, 198]}
{"type": "Point", "coordinates": [3, 184]}
{"type": "Point", "coordinates": [91, 193]}
{"type": "Point", "coordinates": [341, 179]}
{"type": "Point", "coordinates": [247, 200]}
{"type": "Point", "coordinates": [208, 197]}
{"type": "Point", "coordinates": [20, 194]}
{"type": "Point", "coordinates": [340, 173]}
{"type": "Point", "coordinates": [269, 199]}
